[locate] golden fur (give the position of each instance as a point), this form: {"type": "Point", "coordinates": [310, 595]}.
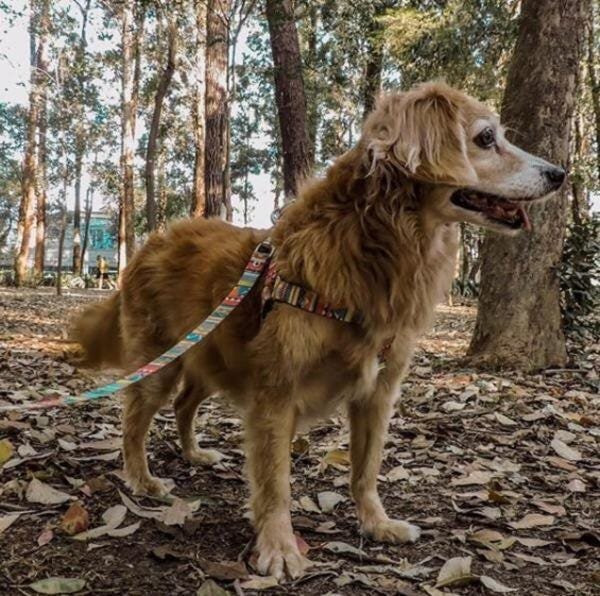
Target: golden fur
{"type": "Point", "coordinates": [376, 234]}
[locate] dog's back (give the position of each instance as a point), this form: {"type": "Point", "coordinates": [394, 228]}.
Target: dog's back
{"type": "Point", "coordinates": [173, 282]}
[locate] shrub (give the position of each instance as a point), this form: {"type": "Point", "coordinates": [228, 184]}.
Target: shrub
{"type": "Point", "coordinates": [580, 278]}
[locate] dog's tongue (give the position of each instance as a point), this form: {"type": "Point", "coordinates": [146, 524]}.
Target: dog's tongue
{"type": "Point", "coordinates": [525, 217]}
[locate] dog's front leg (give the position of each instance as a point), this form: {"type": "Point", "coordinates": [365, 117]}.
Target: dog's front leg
{"type": "Point", "coordinates": [369, 419]}
{"type": "Point", "coordinates": [269, 431]}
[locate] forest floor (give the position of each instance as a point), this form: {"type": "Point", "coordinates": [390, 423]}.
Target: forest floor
{"type": "Point", "coordinates": [502, 472]}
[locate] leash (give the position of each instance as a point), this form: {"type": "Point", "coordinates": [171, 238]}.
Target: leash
{"type": "Point", "coordinates": [254, 268]}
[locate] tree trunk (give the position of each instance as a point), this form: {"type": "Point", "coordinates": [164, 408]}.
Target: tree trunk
{"type": "Point", "coordinates": [42, 174]}
{"type": "Point", "coordinates": [61, 249]}
{"type": "Point", "coordinates": [290, 95]}
{"type": "Point", "coordinates": [198, 111]}
{"type": "Point", "coordinates": [217, 60]}
{"type": "Point", "coordinates": [374, 68]}
{"type": "Point", "coordinates": [592, 64]}
{"type": "Point", "coordinates": [519, 319]}
{"type": "Point", "coordinates": [40, 10]}
{"type": "Point", "coordinates": [63, 228]}
{"type": "Point", "coordinates": [311, 76]}
{"type": "Point", "coordinates": [76, 265]}
{"type": "Point", "coordinates": [130, 72]}
{"type": "Point", "coordinates": [89, 200]}
{"type": "Point", "coordinates": [80, 135]}
{"type": "Point", "coordinates": [161, 92]}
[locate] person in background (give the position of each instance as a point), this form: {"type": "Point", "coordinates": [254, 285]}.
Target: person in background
{"type": "Point", "coordinates": [101, 270]}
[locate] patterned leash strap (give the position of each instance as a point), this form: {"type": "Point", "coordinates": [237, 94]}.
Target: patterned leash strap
{"type": "Point", "coordinates": [256, 265]}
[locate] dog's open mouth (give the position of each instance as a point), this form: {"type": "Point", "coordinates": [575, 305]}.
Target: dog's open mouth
{"type": "Point", "coordinates": [497, 209]}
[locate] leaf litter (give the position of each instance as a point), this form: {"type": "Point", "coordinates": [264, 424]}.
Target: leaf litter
{"type": "Point", "coordinates": [501, 471]}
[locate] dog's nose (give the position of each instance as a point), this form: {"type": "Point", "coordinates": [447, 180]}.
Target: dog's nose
{"type": "Point", "coordinates": [556, 176]}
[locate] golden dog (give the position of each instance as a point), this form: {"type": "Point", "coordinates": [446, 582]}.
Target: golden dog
{"type": "Point", "coordinates": [377, 234]}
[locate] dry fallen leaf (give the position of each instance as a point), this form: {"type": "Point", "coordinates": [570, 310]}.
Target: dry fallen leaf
{"type": "Point", "coordinates": [113, 517]}
{"type": "Point", "coordinates": [341, 548]}
{"type": "Point", "coordinates": [338, 458]}
{"type": "Point", "coordinates": [224, 570]}
{"type": "Point", "coordinates": [177, 513]}
{"type": "Point", "coordinates": [308, 504]}
{"type": "Point", "coordinates": [45, 537]}
{"type": "Point", "coordinates": [576, 486]}
{"type": "Point", "coordinates": [564, 451]}
{"type": "Point", "coordinates": [328, 500]}
{"type": "Point", "coordinates": [211, 588]}
{"type": "Point", "coordinates": [75, 520]}
{"type": "Point", "coordinates": [125, 531]}
{"type": "Point", "coordinates": [258, 583]}
{"type": "Point", "coordinates": [7, 450]}
{"type": "Point", "coordinates": [477, 477]}
{"type": "Point", "coordinates": [532, 520]}
{"type": "Point", "coordinates": [8, 520]}
{"type": "Point", "coordinates": [495, 586]}
{"type": "Point", "coordinates": [58, 585]}
{"type": "Point", "coordinates": [455, 571]}
{"type": "Point", "coordinates": [504, 420]}
{"type": "Point", "coordinates": [38, 492]}
{"type": "Point", "coordinates": [396, 474]}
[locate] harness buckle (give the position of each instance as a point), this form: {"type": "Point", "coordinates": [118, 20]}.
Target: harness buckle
{"type": "Point", "coordinates": [266, 248]}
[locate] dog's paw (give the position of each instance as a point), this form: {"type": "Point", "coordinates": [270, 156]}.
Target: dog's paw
{"type": "Point", "coordinates": [391, 530]}
{"type": "Point", "coordinates": [149, 486]}
{"type": "Point", "coordinates": [204, 457]}
{"type": "Point", "coordinates": [280, 557]}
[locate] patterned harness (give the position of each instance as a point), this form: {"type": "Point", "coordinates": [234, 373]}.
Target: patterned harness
{"type": "Point", "coordinates": [277, 289]}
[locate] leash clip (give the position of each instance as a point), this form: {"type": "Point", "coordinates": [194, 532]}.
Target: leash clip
{"type": "Point", "coordinates": [266, 248]}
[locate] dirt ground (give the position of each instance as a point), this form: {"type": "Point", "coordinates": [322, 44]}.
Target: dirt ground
{"type": "Point", "coordinates": [502, 472]}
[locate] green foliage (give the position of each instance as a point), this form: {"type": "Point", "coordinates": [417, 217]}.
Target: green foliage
{"type": "Point", "coordinates": [12, 133]}
{"type": "Point", "coordinates": [465, 42]}
{"type": "Point", "coordinates": [580, 277]}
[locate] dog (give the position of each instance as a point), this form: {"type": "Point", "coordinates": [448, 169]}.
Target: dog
{"type": "Point", "coordinates": [378, 235]}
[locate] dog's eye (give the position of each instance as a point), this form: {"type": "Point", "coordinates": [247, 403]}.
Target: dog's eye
{"type": "Point", "coordinates": [486, 138]}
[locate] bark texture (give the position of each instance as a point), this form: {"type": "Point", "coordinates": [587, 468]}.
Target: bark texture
{"type": "Point", "coordinates": [161, 92]}
{"type": "Point", "coordinates": [374, 67]}
{"type": "Point", "coordinates": [198, 111]}
{"type": "Point", "coordinates": [519, 319]}
{"type": "Point", "coordinates": [130, 72]}
{"type": "Point", "coordinates": [592, 67]}
{"type": "Point", "coordinates": [80, 134]}
{"type": "Point", "coordinates": [217, 60]}
{"type": "Point", "coordinates": [290, 95]}
{"type": "Point", "coordinates": [40, 11]}
{"type": "Point", "coordinates": [42, 159]}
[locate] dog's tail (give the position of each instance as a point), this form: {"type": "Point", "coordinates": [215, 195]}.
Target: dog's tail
{"type": "Point", "coordinates": [98, 332]}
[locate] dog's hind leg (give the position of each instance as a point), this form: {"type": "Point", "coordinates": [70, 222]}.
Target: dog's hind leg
{"type": "Point", "coordinates": [141, 403]}
{"type": "Point", "coordinates": [369, 419]}
{"type": "Point", "coordinates": [269, 432]}
{"type": "Point", "coordinates": [186, 405]}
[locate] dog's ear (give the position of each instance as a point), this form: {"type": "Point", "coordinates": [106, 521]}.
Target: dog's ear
{"type": "Point", "coordinates": [423, 133]}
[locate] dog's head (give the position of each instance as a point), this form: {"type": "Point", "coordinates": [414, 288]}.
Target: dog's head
{"type": "Point", "coordinates": [455, 147]}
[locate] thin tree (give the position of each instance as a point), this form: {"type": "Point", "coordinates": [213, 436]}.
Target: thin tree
{"type": "Point", "coordinates": [519, 320]}
{"type": "Point", "coordinates": [63, 224]}
{"type": "Point", "coordinates": [80, 130]}
{"type": "Point", "coordinates": [130, 36]}
{"type": "Point", "coordinates": [290, 94]}
{"type": "Point", "coordinates": [42, 160]}
{"type": "Point", "coordinates": [374, 66]}
{"type": "Point", "coordinates": [239, 12]}
{"type": "Point", "coordinates": [39, 17]}
{"type": "Point", "coordinates": [161, 91]}
{"type": "Point", "coordinates": [217, 61]}
{"type": "Point", "coordinates": [89, 199]}
{"type": "Point", "coordinates": [592, 67]}
{"type": "Point", "coordinates": [198, 110]}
